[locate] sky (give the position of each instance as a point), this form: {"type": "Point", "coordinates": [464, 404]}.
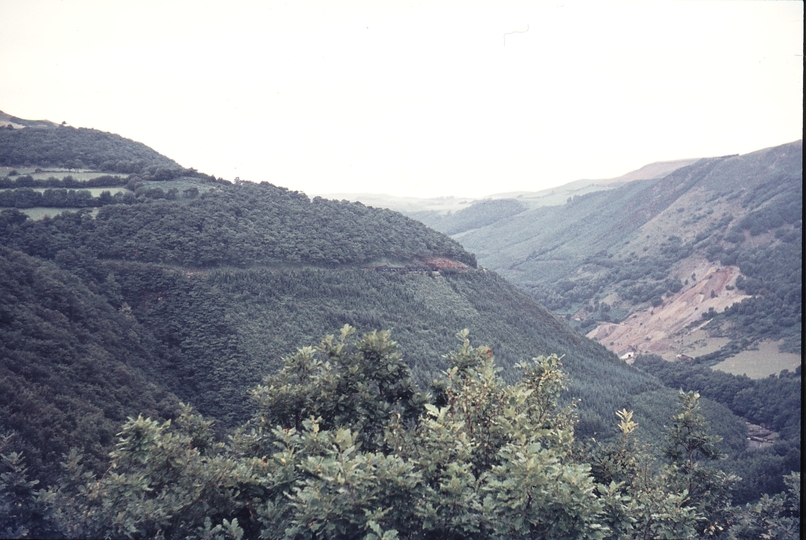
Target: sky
{"type": "Point", "coordinates": [418, 99]}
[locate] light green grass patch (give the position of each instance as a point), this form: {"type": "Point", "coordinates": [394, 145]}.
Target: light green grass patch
{"type": "Point", "coordinates": [95, 192]}
{"type": "Point", "coordinates": [80, 175]}
{"type": "Point", "coordinates": [761, 363]}
{"type": "Point", "coordinates": [41, 212]}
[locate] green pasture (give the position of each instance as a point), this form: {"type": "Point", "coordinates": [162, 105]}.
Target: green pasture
{"type": "Point", "coordinates": [44, 174]}
{"type": "Point", "coordinates": [95, 192]}
{"type": "Point", "coordinates": [40, 212]}
{"type": "Point", "coordinates": [760, 363]}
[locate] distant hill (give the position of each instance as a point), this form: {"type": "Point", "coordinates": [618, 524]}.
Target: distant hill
{"type": "Point", "coordinates": [704, 261]}
{"type": "Point", "coordinates": [441, 212]}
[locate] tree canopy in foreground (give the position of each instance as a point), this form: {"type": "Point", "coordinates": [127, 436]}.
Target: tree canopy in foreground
{"type": "Point", "coordinates": [342, 444]}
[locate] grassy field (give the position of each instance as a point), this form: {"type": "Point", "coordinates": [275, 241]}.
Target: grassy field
{"type": "Point", "coordinates": [94, 191]}
{"type": "Point", "coordinates": [56, 173]}
{"type": "Point", "coordinates": [112, 190]}
{"type": "Point", "coordinates": [40, 212]}
{"type": "Point", "coordinates": [765, 361]}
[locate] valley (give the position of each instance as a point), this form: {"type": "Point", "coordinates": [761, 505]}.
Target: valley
{"type": "Point", "coordinates": [183, 353]}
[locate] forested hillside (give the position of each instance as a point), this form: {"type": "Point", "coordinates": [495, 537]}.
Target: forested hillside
{"type": "Point", "coordinates": [76, 148]}
{"type": "Point", "coordinates": [183, 287]}
{"type": "Point", "coordinates": [226, 278]}
{"type": "Point", "coordinates": [232, 280]}
{"type": "Point", "coordinates": [73, 367]}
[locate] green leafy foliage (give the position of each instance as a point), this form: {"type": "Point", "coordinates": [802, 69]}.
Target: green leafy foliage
{"type": "Point", "coordinates": [481, 459]}
{"type": "Point", "coordinates": [341, 384]}
{"type": "Point", "coordinates": [18, 511]}
{"type": "Point", "coordinates": [492, 462]}
{"type": "Point", "coordinates": [772, 517]}
{"type": "Point", "coordinates": [161, 482]}
{"type": "Point", "coordinates": [635, 488]}
{"type": "Point", "coordinates": [690, 446]}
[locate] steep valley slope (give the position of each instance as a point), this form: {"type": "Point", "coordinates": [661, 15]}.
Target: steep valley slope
{"type": "Point", "coordinates": [709, 253]}
{"type": "Point", "coordinates": [185, 287]}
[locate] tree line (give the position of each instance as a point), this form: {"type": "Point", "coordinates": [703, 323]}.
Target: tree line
{"type": "Point", "coordinates": [77, 148]}
{"type": "Point", "coordinates": [243, 225]}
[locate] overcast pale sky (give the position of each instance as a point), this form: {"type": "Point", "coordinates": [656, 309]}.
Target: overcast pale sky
{"type": "Point", "coordinates": [412, 98]}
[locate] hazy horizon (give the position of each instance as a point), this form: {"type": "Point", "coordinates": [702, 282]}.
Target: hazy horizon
{"type": "Point", "coordinates": [444, 99]}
